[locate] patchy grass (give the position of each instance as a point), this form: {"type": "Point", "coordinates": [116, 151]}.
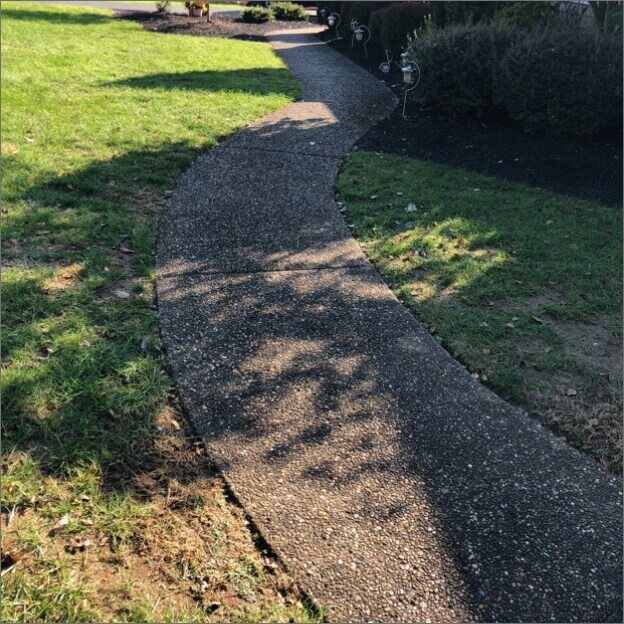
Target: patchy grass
{"type": "Point", "coordinates": [522, 285]}
{"type": "Point", "coordinates": [109, 509]}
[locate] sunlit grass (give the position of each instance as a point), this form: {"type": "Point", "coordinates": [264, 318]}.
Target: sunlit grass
{"type": "Point", "coordinates": [502, 274]}
{"type": "Point", "coordinates": [88, 156]}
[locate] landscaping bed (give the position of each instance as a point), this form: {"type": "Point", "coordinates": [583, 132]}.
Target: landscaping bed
{"type": "Point", "coordinates": [110, 509]}
{"type": "Point", "coordinates": [588, 170]}
{"type": "Point", "coordinates": [218, 26]}
{"type": "Point", "coordinates": [523, 286]}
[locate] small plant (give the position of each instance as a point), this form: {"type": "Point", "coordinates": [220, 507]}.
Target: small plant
{"type": "Point", "coordinates": [162, 6]}
{"type": "Point", "coordinates": [196, 5]}
{"type": "Point", "coordinates": [289, 11]}
{"type": "Point", "coordinates": [256, 15]}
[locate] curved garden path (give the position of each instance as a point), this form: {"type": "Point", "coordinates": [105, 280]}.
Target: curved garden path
{"type": "Point", "coordinates": [392, 485]}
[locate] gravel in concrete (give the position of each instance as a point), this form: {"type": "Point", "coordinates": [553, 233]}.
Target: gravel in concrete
{"type": "Point", "coordinates": [392, 485]}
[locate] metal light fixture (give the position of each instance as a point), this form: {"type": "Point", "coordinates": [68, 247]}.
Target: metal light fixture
{"type": "Point", "coordinates": [353, 26]}
{"type": "Point", "coordinates": [386, 66]}
{"type": "Point", "coordinates": [408, 74]}
{"type": "Point", "coordinates": [333, 21]}
{"type": "Point", "coordinates": [411, 76]}
{"type": "Point", "coordinates": [362, 35]}
{"type": "Point", "coordinates": [323, 15]}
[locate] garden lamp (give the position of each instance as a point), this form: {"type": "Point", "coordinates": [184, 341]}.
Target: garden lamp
{"type": "Point", "coordinates": [323, 14]}
{"type": "Point", "coordinates": [386, 66]}
{"type": "Point", "coordinates": [354, 26]}
{"type": "Point", "coordinates": [404, 58]}
{"type": "Point", "coordinates": [411, 78]}
{"type": "Point", "coordinates": [333, 21]}
{"type": "Point", "coordinates": [362, 35]}
{"type": "Point", "coordinates": [408, 74]}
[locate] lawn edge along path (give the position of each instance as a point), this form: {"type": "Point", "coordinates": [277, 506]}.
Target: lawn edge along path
{"type": "Point", "coordinates": [391, 484]}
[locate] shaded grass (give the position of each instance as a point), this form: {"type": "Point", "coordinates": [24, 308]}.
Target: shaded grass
{"type": "Point", "coordinates": [516, 282]}
{"type": "Point", "coordinates": [90, 430]}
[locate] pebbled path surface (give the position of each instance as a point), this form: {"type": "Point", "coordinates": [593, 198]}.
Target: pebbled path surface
{"type": "Point", "coordinates": [392, 485]}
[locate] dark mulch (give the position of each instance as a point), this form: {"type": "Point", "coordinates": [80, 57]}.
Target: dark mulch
{"type": "Point", "coordinates": [219, 26]}
{"type": "Point", "coordinates": [586, 170]}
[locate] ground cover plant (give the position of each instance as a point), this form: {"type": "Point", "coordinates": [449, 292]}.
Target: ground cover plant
{"type": "Point", "coordinates": [110, 511]}
{"type": "Point", "coordinates": [521, 285]}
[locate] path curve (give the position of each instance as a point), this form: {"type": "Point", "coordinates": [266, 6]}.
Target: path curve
{"type": "Point", "coordinates": [392, 485]}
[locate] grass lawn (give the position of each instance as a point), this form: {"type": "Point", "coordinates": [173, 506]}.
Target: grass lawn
{"type": "Point", "coordinates": [521, 285]}
{"type": "Point", "coordinates": [109, 508]}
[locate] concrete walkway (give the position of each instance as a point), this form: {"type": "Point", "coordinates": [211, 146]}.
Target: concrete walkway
{"type": "Point", "coordinates": [391, 484]}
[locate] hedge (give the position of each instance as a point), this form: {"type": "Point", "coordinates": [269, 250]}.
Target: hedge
{"type": "Point", "coordinates": [458, 65]}
{"type": "Point", "coordinates": [392, 26]}
{"type": "Point", "coordinates": [566, 82]}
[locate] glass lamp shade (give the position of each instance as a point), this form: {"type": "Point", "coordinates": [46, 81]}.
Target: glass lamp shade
{"type": "Point", "coordinates": [408, 74]}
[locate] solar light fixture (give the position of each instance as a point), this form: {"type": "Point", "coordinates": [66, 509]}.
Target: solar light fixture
{"type": "Point", "coordinates": [323, 15]}
{"type": "Point", "coordinates": [411, 77]}
{"type": "Point", "coordinates": [404, 59]}
{"type": "Point", "coordinates": [362, 35]}
{"type": "Point", "coordinates": [353, 26]}
{"type": "Point", "coordinates": [408, 74]}
{"type": "Point", "coordinates": [333, 21]}
{"type": "Point", "coordinates": [386, 66]}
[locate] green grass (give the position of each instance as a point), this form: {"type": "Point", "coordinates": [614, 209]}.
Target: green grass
{"type": "Point", "coordinates": [508, 277]}
{"type": "Point", "coordinates": [99, 119]}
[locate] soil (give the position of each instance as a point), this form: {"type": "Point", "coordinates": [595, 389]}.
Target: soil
{"type": "Point", "coordinates": [219, 26]}
{"type": "Point", "coordinates": [586, 170]}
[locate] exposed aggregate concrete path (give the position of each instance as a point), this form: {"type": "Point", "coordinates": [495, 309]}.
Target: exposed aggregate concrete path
{"type": "Point", "coordinates": [392, 485]}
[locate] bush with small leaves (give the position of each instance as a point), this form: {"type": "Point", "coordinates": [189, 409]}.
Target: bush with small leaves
{"type": "Point", "coordinates": [256, 15]}
{"type": "Point", "coordinates": [289, 11]}
{"type": "Point", "coordinates": [566, 82]}
{"type": "Point", "coordinates": [393, 26]}
{"type": "Point", "coordinates": [458, 65]}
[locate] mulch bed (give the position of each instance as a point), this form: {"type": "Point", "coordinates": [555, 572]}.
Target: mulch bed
{"type": "Point", "coordinates": [219, 26]}
{"type": "Point", "coordinates": [587, 170]}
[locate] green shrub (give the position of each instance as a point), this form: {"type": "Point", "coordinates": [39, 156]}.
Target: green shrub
{"type": "Point", "coordinates": [458, 64]}
{"type": "Point", "coordinates": [529, 15]}
{"type": "Point", "coordinates": [565, 82]}
{"type": "Point", "coordinates": [449, 13]}
{"type": "Point", "coordinates": [360, 11]}
{"type": "Point", "coordinates": [392, 26]}
{"type": "Point", "coordinates": [256, 15]}
{"type": "Point", "coordinates": [289, 11]}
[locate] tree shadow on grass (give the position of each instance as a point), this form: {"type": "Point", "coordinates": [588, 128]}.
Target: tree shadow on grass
{"type": "Point", "coordinates": [280, 370]}
{"type": "Point", "coordinates": [256, 81]}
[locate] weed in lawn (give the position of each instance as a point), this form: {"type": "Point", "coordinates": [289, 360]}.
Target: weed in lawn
{"type": "Point", "coordinates": [523, 286]}
{"type": "Point", "coordinates": [108, 505]}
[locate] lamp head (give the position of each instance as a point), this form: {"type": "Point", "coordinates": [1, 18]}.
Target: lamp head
{"type": "Point", "coordinates": [408, 74]}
